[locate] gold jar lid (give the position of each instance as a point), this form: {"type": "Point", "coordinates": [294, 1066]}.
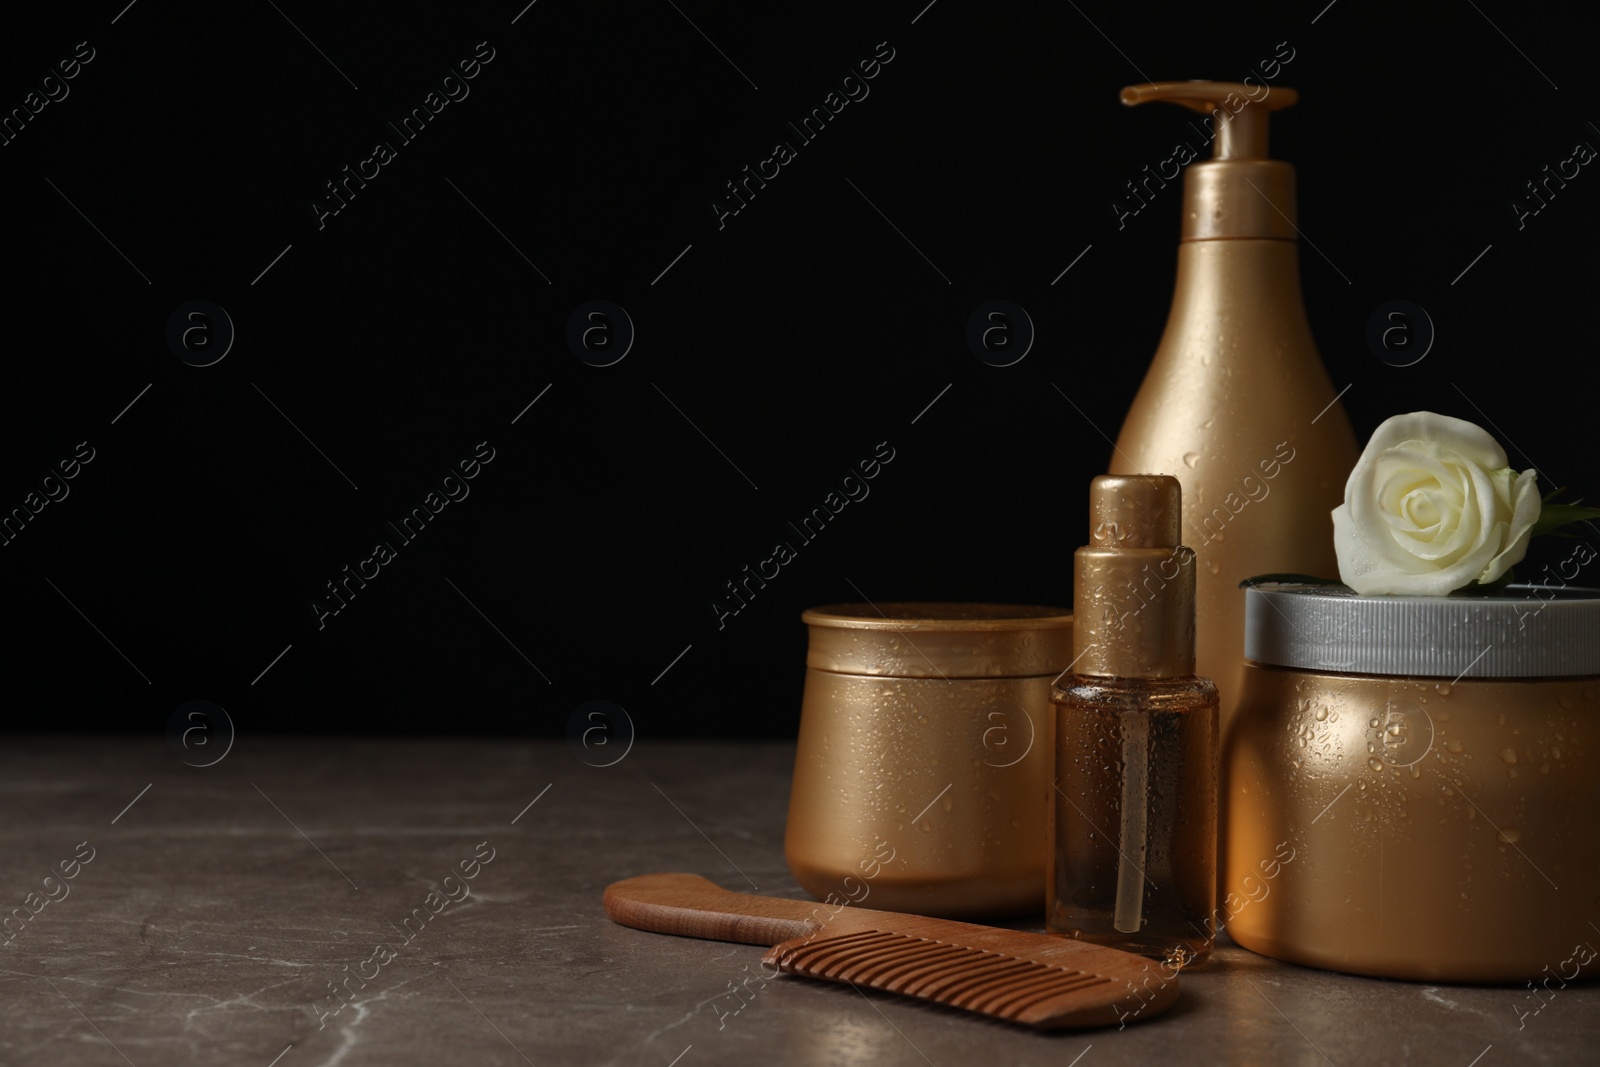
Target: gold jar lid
{"type": "Point", "coordinates": [936, 640]}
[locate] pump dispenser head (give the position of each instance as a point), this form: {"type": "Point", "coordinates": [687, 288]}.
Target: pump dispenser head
{"type": "Point", "coordinates": [1133, 586]}
{"type": "Point", "coordinates": [1240, 191]}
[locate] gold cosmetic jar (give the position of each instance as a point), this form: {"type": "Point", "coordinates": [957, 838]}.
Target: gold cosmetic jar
{"type": "Point", "coordinates": [925, 756]}
{"type": "Point", "coordinates": [1413, 783]}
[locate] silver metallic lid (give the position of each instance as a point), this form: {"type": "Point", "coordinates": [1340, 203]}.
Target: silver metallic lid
{"type": "Point", "coordinates": [1520, 631]}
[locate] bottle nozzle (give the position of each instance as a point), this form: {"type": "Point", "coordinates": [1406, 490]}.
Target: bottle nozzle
{"type": "Point", "coordinates": [1133, 592]}
{"type": "Point", "coordinates": [1240, 110]}
{"type": "Point", "coordinates": [1240, 191]}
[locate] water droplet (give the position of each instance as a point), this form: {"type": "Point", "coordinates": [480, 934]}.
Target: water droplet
{"type": "Point", "coordinates": [1508, 755]}
{"type": "Point", "coordinates": [1555, 751]}
{"type": "Point", "coordinates": [1509, 835]}
{"type": "Point", "coordinates": [1322, 713]}
{"type": "Point", "coordinates": [1375, 763]}
{"type": "Point", "coordinates": [1454, 745]}
{"type": "Point", "coordinates": [1443, 689]}
{"type": "Point", "coordinates": [1191, 459]}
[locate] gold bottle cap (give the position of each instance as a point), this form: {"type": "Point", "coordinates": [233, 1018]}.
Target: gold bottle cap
{"type": "Point", "coordinates": [934, 640]}
{"type": "Point", "coordinates": [1240, 191]}
{"type": "Point", "coordinates": [1133, 587]}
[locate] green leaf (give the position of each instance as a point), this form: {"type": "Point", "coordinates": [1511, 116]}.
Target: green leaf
{"type": "Point", "coordinates": [1555, 516]}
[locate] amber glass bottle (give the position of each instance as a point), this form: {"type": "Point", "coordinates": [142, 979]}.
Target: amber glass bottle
{"type": "Point", "coordinates": [1134, 815]}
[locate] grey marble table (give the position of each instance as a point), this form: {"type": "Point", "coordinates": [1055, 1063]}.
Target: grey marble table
{"type": "Point", "coordinates": [210, 911]}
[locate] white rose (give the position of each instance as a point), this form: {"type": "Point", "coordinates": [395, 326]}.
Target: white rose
{"type": "Point", "coordinates": [1431, 506]}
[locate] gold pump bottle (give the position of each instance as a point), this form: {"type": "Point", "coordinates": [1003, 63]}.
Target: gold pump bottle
{"type": "Point", "coordinates": [1237, 404]}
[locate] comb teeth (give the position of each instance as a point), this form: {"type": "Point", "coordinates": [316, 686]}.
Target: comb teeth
{"type": "Point", "coordinates": [975, 979]}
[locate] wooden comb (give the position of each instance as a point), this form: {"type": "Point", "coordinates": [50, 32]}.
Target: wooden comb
{"type": "Point", "coordinates": [1038, 980]}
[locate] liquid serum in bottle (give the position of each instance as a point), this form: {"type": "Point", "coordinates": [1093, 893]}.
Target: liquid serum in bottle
{"type": "Point", "coordinates": [1133, 824]}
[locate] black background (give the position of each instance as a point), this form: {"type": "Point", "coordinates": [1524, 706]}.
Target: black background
{"type": "Point", "coordinates": [796, 338]}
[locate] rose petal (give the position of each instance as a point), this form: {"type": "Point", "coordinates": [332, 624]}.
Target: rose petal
{"type": "Point", "coordinates": [1418, 464]}
{"type": "Point", "coordinates": [1423, 509]}
{"type": "Point", "coordinates": [1526, 507]}
{"type": "Point", "coordinates": [1370, 485]}
{"type": "Point", "coordinates": [1478, 538]}
{"type": "Point", "coordinates": [1464, 530]}
{"type": "Point", "coordinates": [1470, 440]}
